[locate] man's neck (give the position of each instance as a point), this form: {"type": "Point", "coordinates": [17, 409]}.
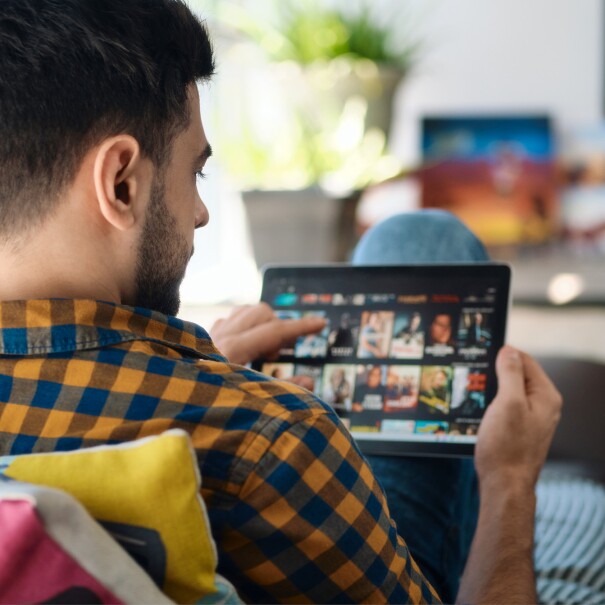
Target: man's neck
{"type": "Point", "coordinates": [36, 282]}
{"type": "Point", "coordinates": [56, 266]}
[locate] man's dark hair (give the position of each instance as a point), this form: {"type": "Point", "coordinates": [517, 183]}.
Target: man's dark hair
{"type": "Point", "coordinates": [73, 72]}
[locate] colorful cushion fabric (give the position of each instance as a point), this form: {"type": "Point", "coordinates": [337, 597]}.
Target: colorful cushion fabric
{"type": "Point", "coordinates": [146, 494]}
{"type": "Point", "coordinates": [52, 551]}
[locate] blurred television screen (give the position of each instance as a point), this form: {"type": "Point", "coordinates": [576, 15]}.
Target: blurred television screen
{"type": "Point", "coordinates": [497, 173]}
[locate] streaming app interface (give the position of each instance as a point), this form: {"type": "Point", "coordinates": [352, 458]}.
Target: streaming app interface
{"type": "Point", "coordinates": [403, 356]}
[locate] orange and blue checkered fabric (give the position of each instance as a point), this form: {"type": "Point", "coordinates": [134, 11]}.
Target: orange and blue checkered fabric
{"type": "Point", "coordinates": [295, 510]}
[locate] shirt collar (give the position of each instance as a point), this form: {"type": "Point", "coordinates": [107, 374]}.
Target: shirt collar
{"type": "Point", "coordinates": [38, 327]}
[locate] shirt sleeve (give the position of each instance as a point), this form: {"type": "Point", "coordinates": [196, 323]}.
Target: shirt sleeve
{"type": "Point", "coordinates": [311, 524]}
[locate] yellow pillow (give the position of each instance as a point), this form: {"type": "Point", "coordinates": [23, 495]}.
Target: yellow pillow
{"type": "Point", "coordinates": [149, 491]}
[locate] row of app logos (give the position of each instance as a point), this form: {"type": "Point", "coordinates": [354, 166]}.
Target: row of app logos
{"type": "Point", "coordinates": [412, 334]}
{"type": "Point", "coordinates": [291, 299]}
{"type": "Point", "coordinates": [366, 393]}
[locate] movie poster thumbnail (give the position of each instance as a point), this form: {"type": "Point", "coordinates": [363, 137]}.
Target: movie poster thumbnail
{"type": "Point", "coordinates": [279, 371]}
{"type": "Point", "coordinates": [375, 334]}
{"type": "Point", "coordinates": [313, 345]}
{"type": "Point", "coordinates": [312, 372]}
{"type": "Point", "coordinates": [440, 335]}
{"type": "Point", "coordinates": [474, 332]}
{"type": "Point", "coordinates": [408, 336]}
{"type": "Point", "coordinates": [468, 391]}
{"type": "Point", "coordinates": [287, 315]}
{"type": "Point", "coordinates": [402, 387]}
{"type": "Point", "coordinates": [464, 428]}
{"type": "Point", "coordinates": [337, 386]}
{"type": "Point", "coordinates": [398, 427]}
{"type": "Point", "coordinates": [368, 397]}
{"type": "Point", "coordinates": [431, 427]}
{"type": "Point", "coordinates": [435, 390]}
{"type": "Point", "coordinates": [342, 339]}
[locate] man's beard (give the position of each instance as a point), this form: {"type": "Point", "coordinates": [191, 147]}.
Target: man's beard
{"type": "Point", "coordinates": [162, 258]}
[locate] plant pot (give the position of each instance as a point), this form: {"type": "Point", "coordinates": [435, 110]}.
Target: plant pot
{"type": "Point", "coordinates": [305, 226]}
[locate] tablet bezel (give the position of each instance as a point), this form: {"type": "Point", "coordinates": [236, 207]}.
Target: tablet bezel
{"type": "Point", "coordinates": [498, 273]}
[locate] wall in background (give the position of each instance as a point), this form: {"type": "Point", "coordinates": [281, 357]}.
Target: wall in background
{"type": "Point", "coordinates": [503, 55]}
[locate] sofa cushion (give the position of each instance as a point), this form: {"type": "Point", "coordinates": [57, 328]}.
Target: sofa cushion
{"type": "Point", "coordinates": [53, 551]}
{"type": "Point", "coordinates": [570, 538]}
{"type": "Point", "coordinates": [146, 493]}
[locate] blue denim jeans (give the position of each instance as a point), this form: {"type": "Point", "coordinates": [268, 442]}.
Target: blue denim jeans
{"type": "Point", "coordinates": [434, 501]}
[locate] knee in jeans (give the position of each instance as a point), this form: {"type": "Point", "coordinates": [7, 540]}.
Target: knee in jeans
{"type": "Point", "coordinates": [434, 219]}
{"type": "Point", "coordinates": [429, 235]}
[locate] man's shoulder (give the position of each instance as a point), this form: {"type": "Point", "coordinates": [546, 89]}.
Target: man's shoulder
{"type": "Point", "coordinates": [203, 377]}
{"type": "Point", "coordinates": [235, 415]}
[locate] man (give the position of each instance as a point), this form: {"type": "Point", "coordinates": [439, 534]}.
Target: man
{"type": "Point", "coordinates": [101, 143]}
{"type": "Point", "coordinates": [440, 331]}
{"type": "Point", "coordinates": [413, 330]}
{"type": "Point", "coordinates": [341, 340]}
{"type": "Point", "coordinates": [476, 334]}
{"type": "Point", "coordinates": [368, 398]}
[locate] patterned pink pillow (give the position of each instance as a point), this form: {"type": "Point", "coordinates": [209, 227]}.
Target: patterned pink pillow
{"type": "Point", "coordinates": [52, 551]}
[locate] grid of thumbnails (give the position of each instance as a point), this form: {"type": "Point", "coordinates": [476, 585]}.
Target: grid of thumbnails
{"type": "Point", "coordinates": [394, 367]}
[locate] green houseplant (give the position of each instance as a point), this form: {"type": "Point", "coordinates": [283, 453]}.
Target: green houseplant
{"type": "Point", "coordinates": [335, 69]}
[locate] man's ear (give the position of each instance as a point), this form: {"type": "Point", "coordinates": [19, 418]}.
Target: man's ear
{"type": "Point", "coordinates": [122, 181]}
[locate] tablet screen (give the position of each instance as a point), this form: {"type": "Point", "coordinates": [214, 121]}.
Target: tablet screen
{"type": "Point", "coordinates": [407, 356]}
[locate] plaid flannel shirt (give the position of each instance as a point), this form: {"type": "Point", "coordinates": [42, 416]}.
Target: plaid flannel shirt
{"type": "Point", "coordinates": [295, 510]}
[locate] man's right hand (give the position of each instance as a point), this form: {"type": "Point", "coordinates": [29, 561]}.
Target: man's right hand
{"type": "Point", "coordinates": [519, 425]}
{"type": "Point", "coordinates": [512, 444]}
{"type": "Point", "coordinates": [254, 331]}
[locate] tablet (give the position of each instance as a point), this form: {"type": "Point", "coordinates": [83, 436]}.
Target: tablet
{"type": "Point", "coordinates": [407, 358]}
